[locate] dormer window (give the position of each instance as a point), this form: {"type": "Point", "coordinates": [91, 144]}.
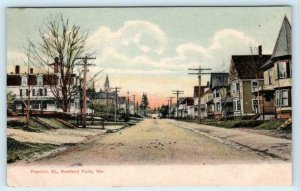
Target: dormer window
{"type": "Point", "coordinates": [39, 80]}
{"type": "Point", "coordinates": [24, 81]}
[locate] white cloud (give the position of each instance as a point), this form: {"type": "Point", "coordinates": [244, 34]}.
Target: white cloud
{"type": "Point", "coordinates": [132, 48]}
{"type": "Point", "coordinates": [226, 36]}
{"type": "Point", "coordinates": [144, 36]}
{"type": "Point", "coordinates": [184, 49]}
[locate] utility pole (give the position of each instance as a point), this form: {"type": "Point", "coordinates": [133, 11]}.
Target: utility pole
{"type": "Point", "coordinates": [168, 108]}
{"type": "Point", "coordinates": [107, 109]}
{"type": "Point", "coordinates": [177, 92]}
{"type": "Point", "coordinates": [134, 104]}
{"type": "Point", "coordinates": [85, 65]}
{"type": "Point", "coordinates": [170, 105]}
{"type": "Point", "coordinates": [199, 89]}
{"type": "Point", "coordinates": [127, 107]}
{"type": "Point", "coordinates": [28, 83]}
{"type": "Point", "coordinates": [116, 102]}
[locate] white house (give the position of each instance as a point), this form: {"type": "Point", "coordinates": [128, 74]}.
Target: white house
{"type": "Point", "coordinates": [39, 88]}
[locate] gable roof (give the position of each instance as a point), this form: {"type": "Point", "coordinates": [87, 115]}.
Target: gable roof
{"type": "Point", "coordinates": [283, 45]}
{"type": "Point", "coordinates": [247, 66]}
{"type": "Point", "coordinates": [218, 80]}
{"type": "Point", "coordinates": [188, 100]}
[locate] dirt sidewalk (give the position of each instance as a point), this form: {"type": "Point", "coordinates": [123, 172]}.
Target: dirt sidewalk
{"type": "Point", "coordinates": [276, 147]}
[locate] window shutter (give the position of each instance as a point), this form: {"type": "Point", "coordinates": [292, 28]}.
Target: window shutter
{"type": "Point", "coordinates": [290, 97]}
{"type": "Point", "coordinates": [288, 69]}
{"type": "Point", "coordinates": [278, 73]}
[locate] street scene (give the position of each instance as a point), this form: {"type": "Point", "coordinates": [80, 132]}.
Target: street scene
{"type": "Point", "coordinates": [200, 86]}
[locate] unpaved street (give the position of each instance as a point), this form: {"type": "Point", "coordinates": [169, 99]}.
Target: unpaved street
{"type": "Point", "coordinates": [154, 142]}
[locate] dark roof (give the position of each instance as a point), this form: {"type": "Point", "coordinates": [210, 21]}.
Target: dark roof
{"type": "Point", "coordinates": [196, 90]}
{"type": "Point", "coordinates": [247, 66]}
{"type": "Point", "coordinates": [283, 45]}
{"type": "Point", "coordinates": [13, 80]}
{"type": "Point", "coordinates": [218, 80]}
{"type": "Point", "coordinates": [189, 100]}
{"type": "Point", "coordinates": [50, 79]}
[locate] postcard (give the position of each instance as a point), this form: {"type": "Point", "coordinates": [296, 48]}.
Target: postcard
{"type": "Point", "coordinates": [149, 96]}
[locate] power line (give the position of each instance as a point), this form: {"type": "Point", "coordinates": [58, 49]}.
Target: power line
{"type": "Point", "coordinates": [116, 101]}
{"type": "Point", "coordinates": [177, 92]}
{"type": "Point", "coordinates": [85, 65]}
{"type": "Point", "coordinates": [199, 89]}
{"type": "Point", "coordinates": [170, 98]}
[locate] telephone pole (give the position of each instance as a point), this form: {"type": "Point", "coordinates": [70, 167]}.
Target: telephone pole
{"type": "Point", "coordinates": [85, 65]}
{"type": "Point", "coordinates": [116, 101]}
{"type": "Point", "coordinates": [133, 96]}
{"type": "Point", "coordinates": [199, 89]}
{"type": "Point", "coordinates": [177, 92]}
{"type": "Point", "coordinates": [127, 107]}
{"type": "Point", "coordinates": [170, 98]}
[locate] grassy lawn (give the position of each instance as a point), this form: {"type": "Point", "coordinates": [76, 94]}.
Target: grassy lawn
{"type": "Point", "coordinates": [21, 124]}
{"type": "Point", "coordinates": [53, 123]}
{"type": "Point", "coordinates": [19, 150]}
{"type": "Point", "coordinates": [271, 124]}
{"type": "Point", "coordinates": [256, 124]}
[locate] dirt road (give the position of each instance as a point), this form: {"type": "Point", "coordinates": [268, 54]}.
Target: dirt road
{"type": "Point", "coordinates": [154, 142]}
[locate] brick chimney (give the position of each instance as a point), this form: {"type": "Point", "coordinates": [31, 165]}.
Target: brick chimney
{"type": "Point", "coordinates": [56, 64]}
{"type": "Point", "coordinates": [31, 70]}
{"type": "Point", "coordinates": [17, 69]}
{"type": "Point", "coordinates": [260, 50]}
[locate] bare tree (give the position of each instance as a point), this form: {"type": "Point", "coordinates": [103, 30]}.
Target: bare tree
{"type": "Point", "coordinates": [63, 43]}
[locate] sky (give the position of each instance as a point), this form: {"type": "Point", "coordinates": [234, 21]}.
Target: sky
{"type": "Point", "coordinates": [150, 49]}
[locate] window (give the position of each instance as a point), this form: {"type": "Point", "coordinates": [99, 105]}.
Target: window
{"type": "Point", "coordinates": [277, 98]}
{"type": "Point", "coordinates": [218, 106]}
{"type": "Point", "coordinates": [282, 98]}
{"type": "Point", "coordinates": [217, 93]}
{"type": "Point", "coordinates": [39, 80]}
{"type": "Point", "coordinates": [235, 87]}
{"type": "Point", "coordinates": [24, 81]}
{"type": "Point", "coordinates": [291, 71]}
{"type": "Point", "coordinates": [45, 92]}
{"type": "Point", "coordinates": [255, 105]}
{"type": "Point", "coordinates": [282, 70]}
{"type": "Point", "coordinates": [33, 92]}
{"type": "Point", "coordinates": [236, 105]}
{"type": "Point", "coordinates": [21, 92]}
{"type": "Point", "coordinates": [254, 85]}
{"type": "Point", "coordinates": [40, 92]}
{"type": "Point", "coordinates": [270, 76]}
{"type": "Point", "coordinates": [27, 92]}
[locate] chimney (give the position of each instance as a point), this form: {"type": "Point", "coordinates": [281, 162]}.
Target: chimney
{"type": "Point", "coordinates": [31, 70]}
{"type": "Point", "coordinates": [260, 50]}
{"type": "Point", "coordinates": [17, 69]}
{"type": "Point", "coordinates": [56, 63]}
